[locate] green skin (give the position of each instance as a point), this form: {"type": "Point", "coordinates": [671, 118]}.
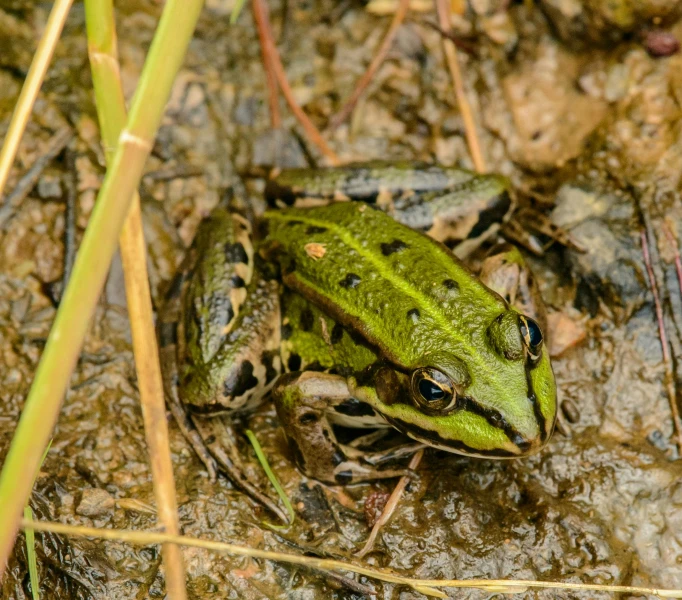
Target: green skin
{"type": "Point", "coordinates": [351, 317]}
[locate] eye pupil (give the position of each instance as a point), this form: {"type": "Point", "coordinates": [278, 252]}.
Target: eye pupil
{"type": "Point", "coordinates": [430, 391]}
{"type": "Point", "coordinates": [534, 333]}
{"type": "Point", "coordinates": [531, 333]}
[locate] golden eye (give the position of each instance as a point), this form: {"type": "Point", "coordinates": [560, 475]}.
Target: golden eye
{"type": "Point", "coordinates": [433, 391]}
{"type": "Point", "coordinates": [531, 335]}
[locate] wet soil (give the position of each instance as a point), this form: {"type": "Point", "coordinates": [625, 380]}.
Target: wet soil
{"type": "Point", "coordinates": [575, 106]}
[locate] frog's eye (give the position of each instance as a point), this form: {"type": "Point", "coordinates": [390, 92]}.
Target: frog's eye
{"type": "Point", "coordinates": [433, 391]}
{"type": "Point", "coordinates": [532, 336]}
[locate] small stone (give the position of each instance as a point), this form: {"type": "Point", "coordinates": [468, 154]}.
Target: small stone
{"type": "Point", "coordinates": [49, 186]}
{"type": "Point", "coordinates": [95, 502]}
{"type": "Point", "coordinates": [660, 43]}
{"type": "Point", "coordinates": [564, 332]}
{"type": "Point", "coordinates": [374, 506]}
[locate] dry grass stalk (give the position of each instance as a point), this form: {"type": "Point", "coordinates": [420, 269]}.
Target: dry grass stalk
{"type": "Point", "coordinates": [271, 78]}
{"type": "Point", "coordinates": [146, 538]}
{"type": "Point", "coordinates": [391, 505]}
{"type": "Point", "coordinates": [260, 12]}
{"type": "Point", "coordinates": [345, 111]}
{"type": "Point", "coordinates": [465, 109]}
{"type": "Point", "coordinates": [669, 376]}
{"type": "Point", "coordinates": [31, 87]}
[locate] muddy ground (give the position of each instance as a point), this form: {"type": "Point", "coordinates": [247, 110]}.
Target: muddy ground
{"type": "Point", "coordinates": [579, 104]}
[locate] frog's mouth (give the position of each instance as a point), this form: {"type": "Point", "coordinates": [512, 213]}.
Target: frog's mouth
{"type": "Point", "coordinates": [435, 440]}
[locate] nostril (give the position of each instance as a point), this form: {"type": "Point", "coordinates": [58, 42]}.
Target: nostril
{"type": "Point", "coordinates": [523, 444]}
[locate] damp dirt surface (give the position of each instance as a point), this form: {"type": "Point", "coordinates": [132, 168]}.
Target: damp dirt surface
{"type": "Point", "coordinates": [578, 104]}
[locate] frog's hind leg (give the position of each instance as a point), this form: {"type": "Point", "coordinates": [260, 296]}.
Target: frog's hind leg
{"type": "Point", "coordinates": [303, 401]}
{"type": "Point", "coordinates": [219, 340]}
{"type": "Point", "coordinates": [167, 335]}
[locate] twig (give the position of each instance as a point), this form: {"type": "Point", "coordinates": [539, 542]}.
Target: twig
{"type": "Point", "coordinates": [377, 61]}
{"type": "Point", "coordinates": [260, 12]}
{"type": "Point", "coordinates": [676, 249]}
{"type": "Point", "coordinates": [28, 181]}
{"type": "Point", "coordinates": [669, 378]}
{"type": "Point", "coordinates": [391, 505]}
{"type": "Point", "coordinates": [31, 87]}
{"type": "Point", "coordinates": [270, 77]}
{"type": "Point", "coordinates": [111, 110]}
{"type": "Point", "coordinates": [450, 51]}
{"type": "Point", "coordinates": [70, 216]}
{"type": "Point", "coordinates": [145, 538]}
{"type": "Point", "coordinates": [464, 45]}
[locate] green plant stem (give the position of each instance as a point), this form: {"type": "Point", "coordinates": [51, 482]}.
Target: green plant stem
{"type": "Point", "coordinates": [110, 102]}
{"type": "Point", "coordinates": [92, 262]}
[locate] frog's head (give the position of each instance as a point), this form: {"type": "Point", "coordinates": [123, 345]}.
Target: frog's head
{"type": "Point", "coordinates": [497, 400]}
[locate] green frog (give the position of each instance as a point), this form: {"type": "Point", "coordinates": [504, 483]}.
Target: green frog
{"type": "Point", "coordinates": [346, 304]}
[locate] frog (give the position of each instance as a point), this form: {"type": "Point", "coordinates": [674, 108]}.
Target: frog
{"type": "Point", "coordinates": [348, 303]}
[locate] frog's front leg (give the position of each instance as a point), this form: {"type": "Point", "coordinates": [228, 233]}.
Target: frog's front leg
{"type": "Point", "coordinates": [303, 402]}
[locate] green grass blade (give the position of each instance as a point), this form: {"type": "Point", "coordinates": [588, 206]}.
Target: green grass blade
{"type": "Point", "coordinates": [234, 15]}
{"type": "Point", "coordinates": [31, 555]}
{"type": "Point", "coordinates": [262, 459]}
{"type": "Point", "coordinates": [98, 245]}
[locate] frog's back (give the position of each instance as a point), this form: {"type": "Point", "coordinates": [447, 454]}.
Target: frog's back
{"type": "Point", "coordinates": [403, 292]}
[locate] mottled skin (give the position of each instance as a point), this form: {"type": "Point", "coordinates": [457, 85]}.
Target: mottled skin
{"type": "Point", "coordinates": [372, 322]}
{"type": "Point", "coordinates": [453, 206]}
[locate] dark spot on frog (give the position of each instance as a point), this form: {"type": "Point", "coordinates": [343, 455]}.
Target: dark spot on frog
{"type": "Point", "coordinates": [274, 192]}
{"type": "Point", "coordinates": [351, 281]}
{"type": "Point", "coordinates": [307, 319]}
{"type": "Point", "coordinates": [338, 457]}
{"type": "Point", "coordinates": [308, 418]}
{"type": "Point", "coordinates": [451, 284]}
{"type": "Point", "coordinates": [238, 383]}
{"type": "Point", "coordinates": [235, 253]}
{"type": "Point", "coordinates": [313, 229]}
{"type": "Point", "coordinates": [394, 246]}
{"type": "Point", "coordinates": [337, 333]}
{"type": "Point", "coordinates": [497, 209]}
{"type": "Point", "coordinates": [286, 331]}
{"type": "Point", "coordinates": [237, 282]}
{"type": "Point", "coordinates": [293, 223]}
{"type": "Point", "coordinates": [413, 314]}
{"type": "Point", "coordinates": [294, 362]}
{"type": "Point", "coordinates": [229, 312]}
{"type": "Point", "coordinates": [353, 407]}
{"type": "Point", "coordinates": [268, 362]}
{"type": "Point", "coordinates": [344, 477]}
